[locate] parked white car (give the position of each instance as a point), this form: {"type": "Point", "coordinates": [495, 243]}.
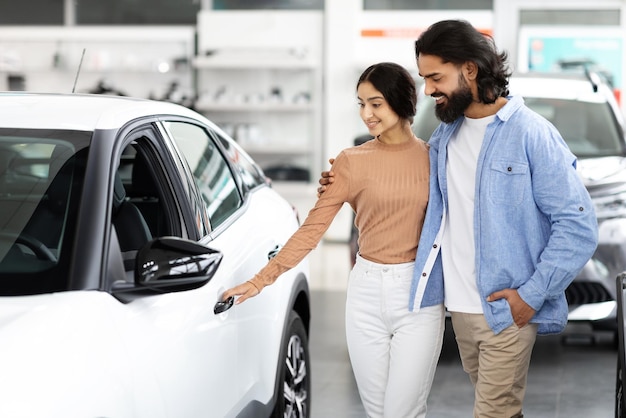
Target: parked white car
{"type": "Point", "coordinates": [122, 222]}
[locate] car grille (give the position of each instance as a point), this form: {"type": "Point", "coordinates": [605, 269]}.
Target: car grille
{"type": "Point", "coordinates": [580, 293]}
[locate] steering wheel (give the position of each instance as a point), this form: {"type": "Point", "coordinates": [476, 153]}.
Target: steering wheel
{"type": "Point", "coordinates": [37, 247]}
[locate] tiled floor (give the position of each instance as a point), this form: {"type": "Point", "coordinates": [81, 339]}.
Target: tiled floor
{"type": "Point", "coordinates": [574, 378]}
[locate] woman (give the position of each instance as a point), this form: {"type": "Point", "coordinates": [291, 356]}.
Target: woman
{"type": "Point", "coordinates": [393, 350]}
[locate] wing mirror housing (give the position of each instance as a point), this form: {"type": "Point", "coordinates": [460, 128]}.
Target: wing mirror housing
{"type": "Point", "coordinates": [169, 264]}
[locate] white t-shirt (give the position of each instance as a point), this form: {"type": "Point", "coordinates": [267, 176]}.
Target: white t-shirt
{"type": "Point", "coordinates": [457, 247]}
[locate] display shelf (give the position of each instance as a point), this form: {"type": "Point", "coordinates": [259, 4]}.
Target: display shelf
{"type": "Point", "coordinates": [258, 76]}
{"type": "Point", "coordinates": [273, 112]}
{"type": "Point", "coordinates": [280, 151]}
{"type": "Point", "coordinates": [204, 106]}
{"type": "Point", "coordinates": [290, 59]}
{"type": "Point", "coordinates": [138, 62]}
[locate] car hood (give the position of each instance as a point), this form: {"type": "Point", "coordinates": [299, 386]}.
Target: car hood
{"type": "Point", "coordinates": [52, 346]}
{"type": "Point", "coordinates": [603, 175]}
{"type": "Point", "coordinates": [54, 320]}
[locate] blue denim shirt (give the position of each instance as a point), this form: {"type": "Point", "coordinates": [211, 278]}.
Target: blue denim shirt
{"type": "Point", "coordinates": [534, 222]}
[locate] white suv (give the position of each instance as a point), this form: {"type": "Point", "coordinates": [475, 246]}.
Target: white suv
{"type": "Point", "coordinates": [122, 222]}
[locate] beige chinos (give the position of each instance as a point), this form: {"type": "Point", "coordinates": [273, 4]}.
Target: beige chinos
{"type": "Point", "coordinates": [504, 360]}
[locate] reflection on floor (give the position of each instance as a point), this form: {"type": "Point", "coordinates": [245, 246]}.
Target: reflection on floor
{"type": "Point", "coordinates": [573, 378]}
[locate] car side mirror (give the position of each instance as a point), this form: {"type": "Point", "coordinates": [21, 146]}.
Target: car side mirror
{"type": "Point", "coordinates": [170, 264]}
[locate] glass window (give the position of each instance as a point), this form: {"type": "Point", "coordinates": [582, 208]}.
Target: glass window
{"type": "Point", "coordinates": [425, 121]}
{"type": "Point", "coordinates": [210, 170]}
{"type": "Point", "coordinates": [41, 179]}
{"type": "Point", "coordinates": [570, 17]}
{"type": "Point", "coordinates": [137, 12]}
{"type": "Point", "coordinates": [268, 4]}
{"type": "Point", "coordinates": [250, 173]}
{"type": "Point", "coordinates": [427, 4]}
{"type": "Point", "coordinates": [588, 128]}
{"type": "Point", "coordinates": [32, 12]}
{"type": "Point", "coordinates": [138, 174]}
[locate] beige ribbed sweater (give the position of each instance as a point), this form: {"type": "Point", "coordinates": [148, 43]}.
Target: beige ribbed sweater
{"type": "Point", "coordinates": [387, 187]}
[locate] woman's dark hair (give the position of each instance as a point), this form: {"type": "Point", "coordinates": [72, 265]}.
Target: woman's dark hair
{"type": "Point", "coordinates": [396, 85]}
{"type": "Point", "coordinates": [457, 41]}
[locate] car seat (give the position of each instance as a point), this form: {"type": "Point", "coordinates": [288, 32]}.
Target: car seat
{"type": "Point", "coordinates": [47, 221]}
{"type": "Point", "coordinates": [130, 226]}
{"type": "Point", "coordinates": [144, 194]}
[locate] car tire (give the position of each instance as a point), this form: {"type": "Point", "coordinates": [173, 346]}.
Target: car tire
{"type": "Point", "coordinates": [294, 382]}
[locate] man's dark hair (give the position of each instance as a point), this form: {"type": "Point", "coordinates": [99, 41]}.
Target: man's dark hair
{"type": "Point", "coordinates": [457, 42]}
{"type": "Point", "coordinates": [396, 84]}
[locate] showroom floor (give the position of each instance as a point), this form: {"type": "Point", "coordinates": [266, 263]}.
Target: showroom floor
{"type": "Point", "coordinates": [571, 375]}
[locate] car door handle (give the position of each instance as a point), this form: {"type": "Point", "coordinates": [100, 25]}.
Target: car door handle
{"type": "Point", "coordinates": [223, 305]}
{"type": "Point", "coordinates": [273, 252]}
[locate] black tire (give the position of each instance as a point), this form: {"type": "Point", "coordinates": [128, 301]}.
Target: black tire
{"type": "Point", "coordinates": [294, 383]}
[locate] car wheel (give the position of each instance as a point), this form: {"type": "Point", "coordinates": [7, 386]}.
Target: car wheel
{"type": "Point", "coordinates": [294, 400]}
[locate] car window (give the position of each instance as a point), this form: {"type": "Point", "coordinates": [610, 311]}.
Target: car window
{"type": "Point", "coordinates": [209, 168]}
{"type": "Point", "coordinates": [251, 174]}
{"type": "Point", "coordinates": [588, 128]}
{"type": "Point", "coordinates": [139, 209]}
{"type": "Point", "coordinates": [41, 179]}
{"type": "Point", "coordinates": [425, 121]}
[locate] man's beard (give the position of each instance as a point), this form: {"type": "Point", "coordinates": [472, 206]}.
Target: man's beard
{"type": "Point", "coordinates": [456, 103]}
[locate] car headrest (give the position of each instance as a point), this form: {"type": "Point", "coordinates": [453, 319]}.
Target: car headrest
{"type": "Point", "coordinates": [142, 181]}
{"type": "Point", "coordinates": [119, 192]}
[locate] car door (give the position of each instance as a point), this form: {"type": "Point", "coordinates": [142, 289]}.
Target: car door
{"type": "Point", "coordinates": [182, 350]}
{"type": "Point", "coordinates": [241, 230]}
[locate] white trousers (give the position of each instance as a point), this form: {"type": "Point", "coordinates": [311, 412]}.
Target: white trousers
{"type": "Point", "coordinates": [393, 352]}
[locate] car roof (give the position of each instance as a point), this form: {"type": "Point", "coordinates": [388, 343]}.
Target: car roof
{"type": "Point", "coordinates": [85, 112]}
{"type": "Point", "coordinates": [559, 86]}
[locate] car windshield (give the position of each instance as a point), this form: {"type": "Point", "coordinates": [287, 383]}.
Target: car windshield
{"type": "Point", "coordinates": [41, 177]}
{"type": "Point", "coordinates": [589, 129]}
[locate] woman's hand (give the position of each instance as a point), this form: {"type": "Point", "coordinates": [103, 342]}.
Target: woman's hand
{"type": "Point", "coordinates": [245, 291]}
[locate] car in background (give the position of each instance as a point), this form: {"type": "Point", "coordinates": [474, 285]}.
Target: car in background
{"type": "Point", "coordinates": [122, 222]}
{"type": "Point", "coordinates": [584, 110]}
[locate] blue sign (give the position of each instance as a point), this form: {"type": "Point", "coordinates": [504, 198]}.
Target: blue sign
{"type": "Point", "coordinates": [599, 54]}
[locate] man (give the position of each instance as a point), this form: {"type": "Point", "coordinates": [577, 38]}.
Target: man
{"type": "Point", "coordinates": [509, 222]}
